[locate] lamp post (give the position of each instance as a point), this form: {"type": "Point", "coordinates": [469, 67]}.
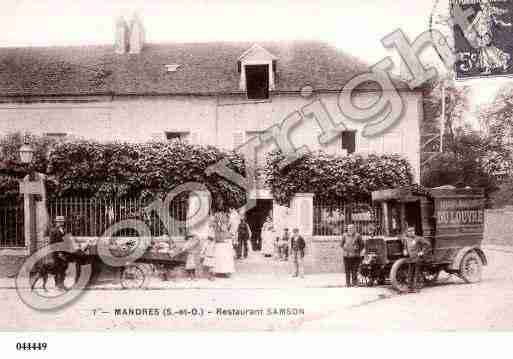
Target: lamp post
{"type": "Point", "coordinates": [26, 153]}
{"type": "Point", "coordinates": [32, 188]}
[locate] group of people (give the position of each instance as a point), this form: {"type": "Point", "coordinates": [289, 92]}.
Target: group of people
{"type": "Point", "coordinates": [283, 246]}
{"type": "Point", "coordinates": [200, 257]}
{"type": "Point", "coordinates": [353, 250]}
{"type": "Point", "coordinates": [217, 255]}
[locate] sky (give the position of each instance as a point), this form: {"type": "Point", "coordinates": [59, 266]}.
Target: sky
{"type": "Point", "coordinates": [354, 26]}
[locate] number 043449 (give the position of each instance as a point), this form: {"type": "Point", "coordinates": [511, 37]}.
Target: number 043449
{"type": "Point", "coordinates": [31, 346]}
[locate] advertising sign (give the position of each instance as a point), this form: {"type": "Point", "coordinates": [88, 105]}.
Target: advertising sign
{"type": "Point", "coordinates": [456, 211]}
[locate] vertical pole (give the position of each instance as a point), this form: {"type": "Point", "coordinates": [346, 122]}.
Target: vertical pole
{"type": "Point", "coordinates": [41, 214]}
{"type": "Point", "coordinates": [29, 210]}
{"type": "Point", "coordinates": [197, 214]}
{"type": "Point", "coordinates": [442, 121]}
{"type": "Point", "coordinates": [386, 220]}
{"type": "Point", "coordinates": [302, 207]}
{"type": "Point", "coordinates": [402, 214]}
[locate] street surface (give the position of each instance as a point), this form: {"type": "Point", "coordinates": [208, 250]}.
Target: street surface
{"type": "Point", "coordinates": [316, 303]}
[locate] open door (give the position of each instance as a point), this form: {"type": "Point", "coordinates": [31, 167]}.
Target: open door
{"type": "Point", "coordinates": [256, 217]}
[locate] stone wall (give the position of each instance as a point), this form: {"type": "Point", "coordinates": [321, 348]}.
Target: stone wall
{"type": "Point", "coordinates": [499, 226]}
{"type": "Point", "coordinates": [9, 265]}
{"type": "Point", "coordinates": [324, 255]}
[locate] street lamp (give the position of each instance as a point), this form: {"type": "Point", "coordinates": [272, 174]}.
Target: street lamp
{"type": "Point", "coordinates": [31, 194]}
{"type": "Point", "coordinates": [26, 153]}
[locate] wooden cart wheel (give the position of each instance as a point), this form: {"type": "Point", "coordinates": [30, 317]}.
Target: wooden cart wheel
{"type": "Point", "coordinates": [133, 276]}
{"type": "Point", "coordinates": [148, 269]}
{"type": "Point", "coordinates": [471, 267]}
{"type": "Point", "coordinates": [399, 275]}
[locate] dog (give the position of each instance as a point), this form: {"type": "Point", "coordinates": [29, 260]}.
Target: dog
{"type": "Point", "coordinates": [43, 271]}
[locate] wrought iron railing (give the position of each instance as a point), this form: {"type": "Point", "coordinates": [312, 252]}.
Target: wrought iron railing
{"type": "Point", "coordinates": [332, 219]}
{"type": "Point", "coordinates": [92, 217]}
{"type": "Point", "coordinates": [12, 233]}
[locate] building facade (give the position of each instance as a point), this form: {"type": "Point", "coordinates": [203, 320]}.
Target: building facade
{"type": "Point", "coordinates": [219, 94]}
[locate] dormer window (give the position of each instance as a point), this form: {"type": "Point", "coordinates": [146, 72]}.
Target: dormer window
{"type": "Point", "coordinates": [257, 68]}
{"type": "Point", "coordinates": [257, 82]}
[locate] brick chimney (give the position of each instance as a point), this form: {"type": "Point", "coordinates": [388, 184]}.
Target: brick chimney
{"type": "Point", "coordinates": [136, 40]}
{"type": "Point", "coordinates": [121, 43]}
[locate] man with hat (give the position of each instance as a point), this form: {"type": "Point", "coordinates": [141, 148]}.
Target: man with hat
{"type": "Point", "coordinates": [352, 245]}
{"type": "Point", "coordinates": [417, 248]}
{"type": "Point", "coordinates": [57, 233]}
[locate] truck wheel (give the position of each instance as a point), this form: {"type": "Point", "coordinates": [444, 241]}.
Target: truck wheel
{"type": "Point", "coordinates": [471, 267]}
{"type": "Point", "coordinates": [133, 276]}
{"type": "Point", "coordinates": [399, 275]}
{"type": "Point", "coordinates": [148, 269]}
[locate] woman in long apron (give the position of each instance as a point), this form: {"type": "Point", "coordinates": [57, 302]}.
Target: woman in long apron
{"type": "Point", "coordinates": [224, 261]}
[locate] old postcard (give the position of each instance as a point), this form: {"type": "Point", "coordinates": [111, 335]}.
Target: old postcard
{"type": "Point", "coordinates": [262, 166]}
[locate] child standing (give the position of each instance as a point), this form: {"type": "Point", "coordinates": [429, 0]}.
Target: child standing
{"type": "Point", "coordinates": [192, 256]}
{"type": "Point", "coordinates": [284, 245]}
{"type": "Point", "coordinates": [297, 246]}
{"type": "Point", "coordinates": [208, 257]}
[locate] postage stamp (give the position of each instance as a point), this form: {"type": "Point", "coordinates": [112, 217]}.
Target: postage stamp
{"type": "Point", "coordinates": [484, 49]}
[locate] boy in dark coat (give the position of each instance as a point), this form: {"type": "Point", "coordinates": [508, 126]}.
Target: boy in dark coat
{"type": "Point", "coordinates": [297, 251]}
{"type": "Point", "coordinates": [417, 248]}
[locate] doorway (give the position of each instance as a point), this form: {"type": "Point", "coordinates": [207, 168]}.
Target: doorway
{"type": "Point", "coordinates": [413, 216]}
{"type": "Point", "coordinates": [256, 217]}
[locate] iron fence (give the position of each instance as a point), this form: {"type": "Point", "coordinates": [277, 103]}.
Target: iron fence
{"type": "Point", "coordinates": [92, 217]}
{"type": "Point", "coordinates": [12, 233]}
{"type": "Point", "coordinates": [331, 219]}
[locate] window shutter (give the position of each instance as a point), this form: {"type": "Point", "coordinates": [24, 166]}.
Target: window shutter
{"type": "Point", "coordinates": [349, 141]}
{"type": "Point", "coordinates": [194, 138]}
{"type": "Point", "coordinates": [238, 139]}
{"type": "Point", "coordinates": [393, 142]}
{"type": "Point", "coordinates": [363, 144]}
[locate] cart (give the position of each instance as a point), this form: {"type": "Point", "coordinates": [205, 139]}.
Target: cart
{"type": "Point", "coordinates": [157, 259]}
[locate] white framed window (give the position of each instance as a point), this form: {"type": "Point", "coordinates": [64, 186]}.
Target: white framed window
{"type": "Point", "coordinates": [177, 135]}
{"type": "Point", "coordinates": [194, 138]}
{"type": "Point", "coordinates": [239, 137]}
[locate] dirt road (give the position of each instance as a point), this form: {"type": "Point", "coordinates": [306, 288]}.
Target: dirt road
{"type": "Point", "coordinates": [451, 305]}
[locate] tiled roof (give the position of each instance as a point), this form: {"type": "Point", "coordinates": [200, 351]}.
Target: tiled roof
{"type": "Point", "coordinates": [205, 68]}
